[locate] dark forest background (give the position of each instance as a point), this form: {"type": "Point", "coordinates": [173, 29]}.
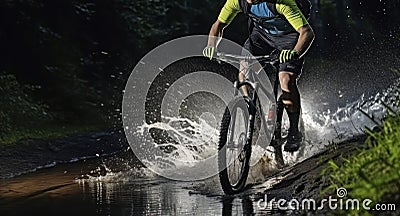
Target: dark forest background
{"type": "Point", "coordinates": [64, 63]}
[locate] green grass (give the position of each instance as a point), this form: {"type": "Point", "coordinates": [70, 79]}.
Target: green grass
{"type": "Point", "coordinates": [372, 173]}
{"type": "Point", "coordinates": [48, 132]}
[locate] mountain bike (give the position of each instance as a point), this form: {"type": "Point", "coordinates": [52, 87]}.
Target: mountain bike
{"type": "Point", "coordinates": [247, 118]}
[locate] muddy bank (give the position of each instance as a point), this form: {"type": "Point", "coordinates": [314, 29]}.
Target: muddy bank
{"type": "Point", "coordinates": [305, 179]}
{"type": "Point", "coordinates": [31, 154]}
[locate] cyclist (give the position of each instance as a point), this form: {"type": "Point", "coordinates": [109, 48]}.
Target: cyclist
{"type": "Point", "coordinates": [273, 24]}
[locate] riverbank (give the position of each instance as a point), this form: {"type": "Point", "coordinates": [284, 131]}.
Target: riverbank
{"type": "Point", "coordinates": [28, 155]}
{"type": "Point", "coordinates": [306, 180]}
{"type": "Point", "coordinates": [364, 168]}
{"type": "Point", "coordinates": [309, 179]}
{"type": "Point", "coordinates": [301, 181]}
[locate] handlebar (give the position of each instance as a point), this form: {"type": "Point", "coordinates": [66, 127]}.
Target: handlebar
{"type": "Point", "coordinates": [271, 59]}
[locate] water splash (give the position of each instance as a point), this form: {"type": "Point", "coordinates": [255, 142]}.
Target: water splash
{"type": "Point", "coordinates": [350, 121]}
{"type": "Point", "coordinates": [106, 174]}
{"type": "Point", "coordinates": [193, 140]}
{"type": "Point", "coordinates": [190, 140]}
{"type": "Point", "coordinates": [323, 128]}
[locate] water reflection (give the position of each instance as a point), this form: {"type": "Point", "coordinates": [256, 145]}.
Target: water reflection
{"type": "Point", "coordinates": [148, 197]}
{"type": "Point", "coordinates": [237, 206]}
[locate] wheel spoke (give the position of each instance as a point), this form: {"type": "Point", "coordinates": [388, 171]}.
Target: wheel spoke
{"type": "Point", "coordinates": [235, 165]}
{"type": "Point", "coordinates": [237, 135]}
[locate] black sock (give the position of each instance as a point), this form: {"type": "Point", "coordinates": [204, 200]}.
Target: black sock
{"type": "Point", "coordinates": [294, 122]}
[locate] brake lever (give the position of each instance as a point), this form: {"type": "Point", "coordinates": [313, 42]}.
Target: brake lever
{"type": "Point", "coordinates": [219, 57]}
{"type": "Point", "coordinates": [274, 59]}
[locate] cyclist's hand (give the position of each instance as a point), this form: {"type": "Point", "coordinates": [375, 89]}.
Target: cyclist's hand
{"type": "Point", "coordinates": [288, 55]}
{"type": "Point", "coordinates": [208, 52]}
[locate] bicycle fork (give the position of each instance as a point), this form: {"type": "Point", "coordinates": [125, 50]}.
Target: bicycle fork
{"type": "Point", "coordinates": [252, 112]}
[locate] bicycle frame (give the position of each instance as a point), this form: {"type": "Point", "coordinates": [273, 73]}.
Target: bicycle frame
{"type": "Point", "coordinates": [253, 81]}
{"type": "Point", "coordinates": [266, 94]}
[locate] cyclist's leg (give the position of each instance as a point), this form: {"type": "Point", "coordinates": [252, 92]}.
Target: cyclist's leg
{"type": "Point", "coordinates": [288, 74]}
{"type": "Point", "coordinates": [254, 45]}
{"type": "Point", "coordinates": [242, 75]}
{"type": "Point", "coordinates": [291, 101]}
{"type": "Point", "coordinates": [279, 115]}
{"type": "Point", "coordinates": [290, 98]}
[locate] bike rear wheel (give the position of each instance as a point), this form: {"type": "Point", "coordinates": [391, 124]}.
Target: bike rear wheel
{"type": "Point", "coordinates": [234, 146]}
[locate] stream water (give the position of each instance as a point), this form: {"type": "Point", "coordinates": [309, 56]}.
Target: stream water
{"type": "Point", "coordinates": [114, 186]}
{"type": "Point", "coordinates": [336, 94]}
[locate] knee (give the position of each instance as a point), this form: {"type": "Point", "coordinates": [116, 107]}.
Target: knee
{"type": "Point", "coordinates": [287, 81]}
{"type": "Point", "coordinates": [284, 78]}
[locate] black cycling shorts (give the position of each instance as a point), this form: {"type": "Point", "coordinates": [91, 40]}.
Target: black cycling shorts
{"type": "Point", "coordinates": [261, 43]}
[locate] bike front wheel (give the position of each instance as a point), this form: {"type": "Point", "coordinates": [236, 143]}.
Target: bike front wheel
{"type": "Point", "coordinates": [234, 146]}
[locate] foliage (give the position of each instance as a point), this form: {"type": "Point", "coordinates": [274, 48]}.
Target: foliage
{"type": "Point", "coordinates": [78, 54]}
{"type": "Point", "coordinates": [373, 173]}
{"type": "Point", "coordinates": [16, 107]}
{"type": "Point", "coordinates": [66, 62]}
